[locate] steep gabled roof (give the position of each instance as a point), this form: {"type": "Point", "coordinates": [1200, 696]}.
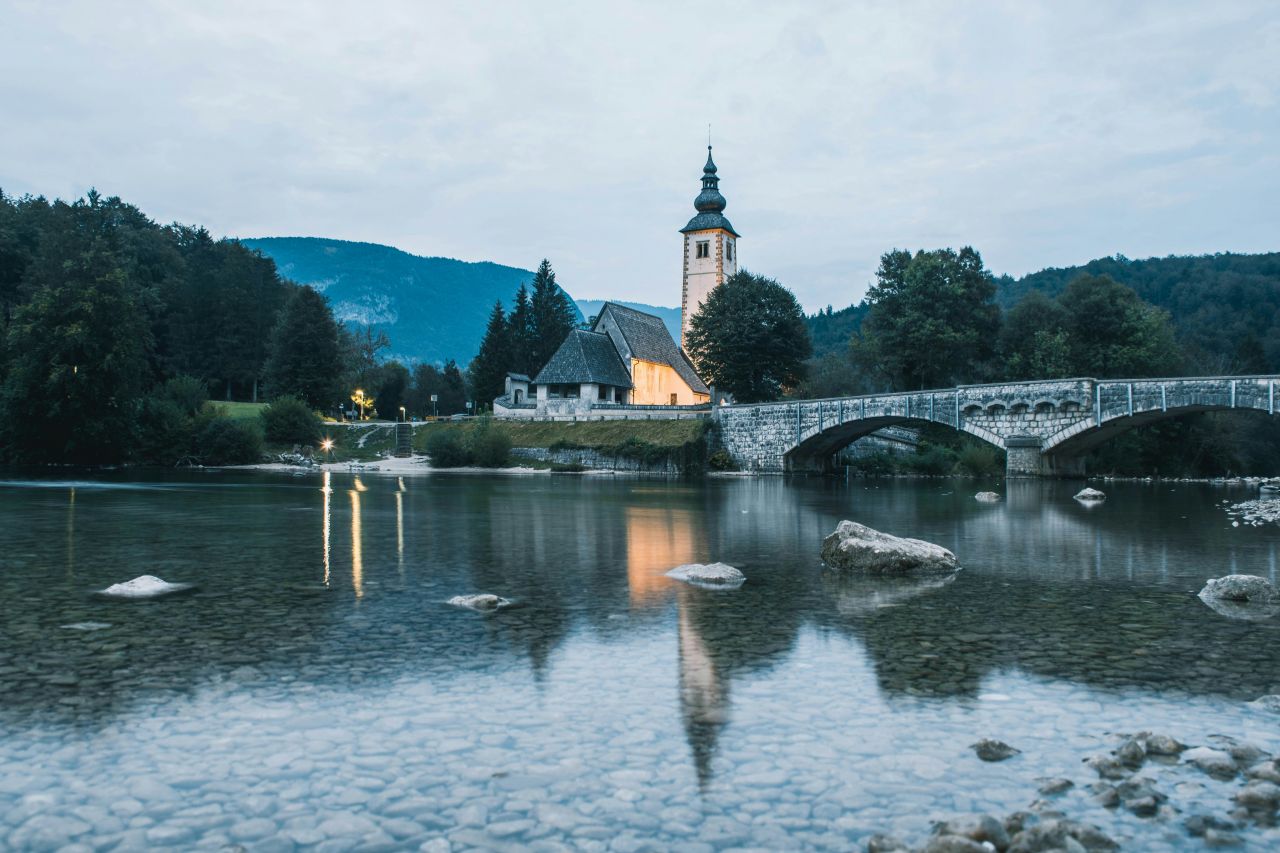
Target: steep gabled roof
{"type": "Point", "coordinates": [585, 357]}
{"type": "Point", "coordinates": [649, 340]}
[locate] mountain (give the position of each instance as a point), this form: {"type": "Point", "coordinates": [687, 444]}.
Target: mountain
{"type": "Point", "coordinates": [432, 309]}
{"type": "Point", "coordinates": [670, 316]}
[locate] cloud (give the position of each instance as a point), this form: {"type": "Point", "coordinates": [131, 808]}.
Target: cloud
{"type": "Point", "coordinates": [1043, 134]}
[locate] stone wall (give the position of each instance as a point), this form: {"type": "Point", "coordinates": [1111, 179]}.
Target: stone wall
{"type": "Point", "coordinates": [594, 459]}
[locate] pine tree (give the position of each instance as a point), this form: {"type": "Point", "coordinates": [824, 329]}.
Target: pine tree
{"type": "Point", "coordinates": [305, 357]}
{"type": "Point", "coordinates": [488, 370]}
{"type": "Point", "coordinates": [553, 317]}
{"type": "Point", "coordinates": [520, 333]}
{"type": "Point", "coordinates": [453, 393]}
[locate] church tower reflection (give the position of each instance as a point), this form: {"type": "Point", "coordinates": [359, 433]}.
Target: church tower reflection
{"type": "Point", "coordinates": [658, 540]}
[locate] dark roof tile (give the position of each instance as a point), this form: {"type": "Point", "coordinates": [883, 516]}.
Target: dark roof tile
{"type": "Point", "coordinates": [585, 357]}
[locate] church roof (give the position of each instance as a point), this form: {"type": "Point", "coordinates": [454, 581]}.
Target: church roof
{"type": "Point", "coordinates": [649, 340]}
{"type": "Point", "coordinates": [585, 357]}
{"type": "Point", "coordinates": [710, 204]}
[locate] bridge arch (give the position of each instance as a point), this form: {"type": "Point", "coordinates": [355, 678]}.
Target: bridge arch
{"type": "Point", "coordinates": [817, 448]}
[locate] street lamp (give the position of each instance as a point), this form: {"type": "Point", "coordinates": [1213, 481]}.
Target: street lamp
{"type": "Point", "coordinates": [403, 418]}
{"type": "Point", "coordinates": [327, 447]}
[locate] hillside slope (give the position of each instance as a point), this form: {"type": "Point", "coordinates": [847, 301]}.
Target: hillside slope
{"type": "Point", "coordinates": [432, 309]}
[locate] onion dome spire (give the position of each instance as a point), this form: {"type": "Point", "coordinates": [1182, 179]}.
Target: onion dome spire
{"type": "Point", "coordinates": [710, 204]}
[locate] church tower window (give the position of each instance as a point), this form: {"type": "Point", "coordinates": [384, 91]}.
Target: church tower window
{"type": "Point", "coordinates": [704, 248]}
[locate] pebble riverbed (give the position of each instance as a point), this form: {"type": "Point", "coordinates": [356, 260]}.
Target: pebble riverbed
{"type": "Point", "coordinates": [317, 692]}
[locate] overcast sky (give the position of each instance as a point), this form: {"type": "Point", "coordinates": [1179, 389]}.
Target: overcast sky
{"type": "Point", "coordinates": [1043, 134]}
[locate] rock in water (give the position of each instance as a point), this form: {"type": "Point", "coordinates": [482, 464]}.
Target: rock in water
{"type": "Point", "coordinates": [1241, 597]}
{"type": "Point", "coordinates": [994, 750]}
{"type": "Point", "coordinates": [709, 575]}
{"type": "Point", "coordinates": [1215, 762]}
{"type": "Point", "coordinates": [857, 547]}
{"type": "Point", "coordinates": [1240, 588]}
{"type": "Point", "coordinates": [987, 497]}
{"type": "Point", "coordinates": [1270, 702]}
{"type": "Point", "coordinates": [144, 586]}
{"type": "Point", "coordinates": [1088, 495]}
{"type": "Point", "coordinates": [483, 602]}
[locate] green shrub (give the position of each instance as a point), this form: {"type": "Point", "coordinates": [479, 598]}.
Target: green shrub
{"type": "Point", "coordinates": [567, 467]}
{"type": "Point", "coordinates": [980, 461]}
{"type": "Point", "coordinates": [931, 459]}
{"type": "Point", "coordinates": [638, 449]}
{"type": "Point", "coordinates": [288, 420]}
{"type": "Point", "coordinates": [446, 449]}
{"type": "Point", "coordinates": [187, 393]}
{"type": "Point", "coordinates": [223, 441]}
{"type": "Point", "coordinates": [878, 464]}
{"type": "Point", "coordinates": [165, 432]}
{"type": "Point", "coordinates": [721, 461]}
{"type": "Point", "coordinates": [490, 447]}
{"type": "Point", "coordinates": [566, 444]}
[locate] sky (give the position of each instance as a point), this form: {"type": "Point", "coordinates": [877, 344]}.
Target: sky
{"type": "Point", "coordinates": [1042, 134]}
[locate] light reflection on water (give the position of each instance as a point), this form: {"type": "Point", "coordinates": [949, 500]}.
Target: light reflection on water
{"type": "Point", "coordinates": [803, 710]}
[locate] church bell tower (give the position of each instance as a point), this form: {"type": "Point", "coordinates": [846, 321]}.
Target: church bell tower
{"type": "Point", "coordinates": [710, 247]}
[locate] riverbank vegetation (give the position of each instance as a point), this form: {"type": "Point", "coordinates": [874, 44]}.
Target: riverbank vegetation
{"type": "Point", "coordinates": [939, 318]}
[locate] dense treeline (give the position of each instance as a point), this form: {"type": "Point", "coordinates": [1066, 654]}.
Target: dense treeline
{"type": "Point", "coordinates": [934, 319]}
{"type": "Point", "coordinates": [115, 330]}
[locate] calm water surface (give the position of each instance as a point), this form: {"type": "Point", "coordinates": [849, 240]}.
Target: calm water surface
{"type": "Point", "coordinates": [316, 691]}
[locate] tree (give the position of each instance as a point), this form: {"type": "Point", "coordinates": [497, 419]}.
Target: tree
{"type": "Point", "coordinates": [488, 370]}
{"type": "Point", "coordinates": [427, 380]}
{"type": "Point", "coordinates": [362, 347]}
{"type": "Point", "coordinates": [932, 321]}
{"type": "Point", "coordinates": [553, 317]}
{"type": "Point", "coordinates": [453, 390]}
{"type": "Point", "coordinates": [79, 349]}
{"type": "Point", "coordinates": [1033, 340]}
{"type": "Point", "coordinates": [390, 386]}
{"type": "Point", "coordinates": [749, 338]}
{"type": "Point", "coordinates": [1114, 334]}
{"type": "Point", "coordinates": [305, 359]}
{"type": "Point", "coordinates": [520, 333]}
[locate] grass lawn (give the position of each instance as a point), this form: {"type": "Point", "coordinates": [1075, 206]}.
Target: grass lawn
{"type": "Point", "coordinates": [661, 433]}
{"type": "Point", "coordinates": [239, 411]}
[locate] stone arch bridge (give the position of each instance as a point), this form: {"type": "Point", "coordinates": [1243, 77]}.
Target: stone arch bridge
{"type": "Point", "coordinates": [1044, 427]}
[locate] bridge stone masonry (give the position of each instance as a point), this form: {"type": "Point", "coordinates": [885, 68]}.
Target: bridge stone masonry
{"type": "Point", "coordinates": [1044, 427]}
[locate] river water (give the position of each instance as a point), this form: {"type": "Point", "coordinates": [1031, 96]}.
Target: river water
{"type": "Point", "coordinates": [316, 691]}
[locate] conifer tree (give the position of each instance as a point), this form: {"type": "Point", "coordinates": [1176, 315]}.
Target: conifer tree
{"type": "Point", "coordinates": [453, 393]}
{"type": "Point", "coordinates": [489, 368]}
{"type": "Point", "coordinates": [305, 358]}
{"type": "Point", "coordinates": [520, 333]}
{"type": "Point", "coordinates": [553, 316]}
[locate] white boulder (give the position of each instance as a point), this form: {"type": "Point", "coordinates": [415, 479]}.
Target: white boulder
{"type": "Point", "coordinates": [144, 586]}
{"type": "Point", "coordinates": [1246, 597]}
{"type": "Point", "coordinates": [481, 602]}
{"type": "Point", "coordinates": [987, 497]}
{"type": "Point", "coordinates": [1090, 495]}
{"type": "Point", "coordinates": [709, 575]}
{"type": "Point", "coordinates": [856, 547]}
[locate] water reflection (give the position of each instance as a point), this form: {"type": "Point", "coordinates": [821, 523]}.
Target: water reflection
{"type": "Point", "coordinates": [400, 490]}
{"type": "Point", "coordinates": [327, 490]}
{"type": "Point", "coordinates": [357, 541]}
{"type": "Point", "coordinates": [71, 533]}
{"type": "Point", "coordinates": [704, 693]}
{"type": "Point", "coordinates": [658, 540]}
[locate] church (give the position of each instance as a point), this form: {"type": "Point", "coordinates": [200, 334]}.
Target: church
{"type": "Point", "coordinates": [628, 359]}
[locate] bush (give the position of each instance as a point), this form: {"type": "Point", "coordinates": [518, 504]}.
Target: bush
{"type": "Point", "coordinates": [490, 447]}
{"type": "Point", "coordinates": [187, 393]}
{"type": "Point", "coordinates": [446, 449]}
{"type": "Point", "coordinates": [223, 441]}
{"type": "Point", "coordinates": [980, 461]}
{"type": "Point", "coordinates": [165, 432]}
{"type": "Point", "coordinates": [567, 467]}
{"type": "Point", "coordinates": [721, 461]}
{"type": "Point", "coordinates": [878, 464]}
{"type": "Point", "coordinates": [638, 449]}
{"type": "Point", "coordinates": [288, 420]}
{"type": "Point", "coordinates": [566, 444]}
{"type": "Point", "coordinates": [932, 460]}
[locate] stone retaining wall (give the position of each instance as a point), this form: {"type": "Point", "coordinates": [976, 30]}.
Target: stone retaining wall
{"type": "Point", "coordinates": [594, 459]}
